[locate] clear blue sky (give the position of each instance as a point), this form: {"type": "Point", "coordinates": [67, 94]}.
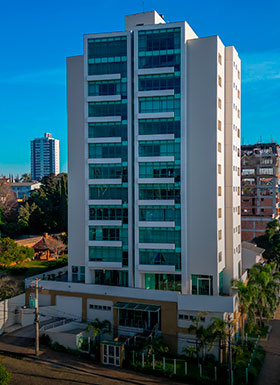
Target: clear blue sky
{"type": "Point", "coordinates": [37, 36]}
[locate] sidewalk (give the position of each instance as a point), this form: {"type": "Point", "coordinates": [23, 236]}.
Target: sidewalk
{"type": "Point", "coordinates": [270, 371]}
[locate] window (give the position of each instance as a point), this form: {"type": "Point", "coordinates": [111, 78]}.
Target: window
{"type": "Point", "coordinates": [220, 256]}
{"type": "Point", "coordinates": [160, 104]}
{"type": "Point", "coordinates": [160, 213]}
{"type": "Point", "coordinates": [159, 148]}
{"type": "Point", "coordinates": [108, 87]}
{"type": "Point", "coordinates": [219, 102]}
{"type": "Point", "coordinates": [219, 168]}
{"type": "Point", "coordinates": [238, 94]}
{"type": "Point", "coordinates": [238, 191]}
{"type": "Point", "coordinates": [219, 147]}
{"type": "Point", "coordinates": [170, 282]}
{"type": "Point", "coordinates": [107, 130]}
{"type": "Point", "coordinates": [238, 114]}
{"type": "Point", "coordinates": [238, 229]}
{"type": "Point", "coordinates": [112, 192]}
{"type": "Point", "coordinates": [107, 150]}
{"type": "Point", "coordinates": [219, 191]}
{"type": "Point", "coordinates": [219, 213]}
{"type": "Point", "coordinates": [160, 192]}
{"type": "Point", "coordinates": [109, 213]}
{"type": "Point", "coordinates": [159, 170]}
{"type": "Point", "coordinates": [159, 127]}
{"type": "Point", "coordinates": [112, 233]}
{"type": "Point", "coordinates": [220, 81]}
{"type": "Point", "coordinates": [78, 274]}
{"type": "Point", "coordinates": [238, 74]}
{"type": "Point", "coordinates": [159, 82]}
{"type": "Point", "coordinates": [219, 125]}
{"type": "Point", "coordinates": [111, 278]}
{"type": "Point", "coordinates": [239, 248]}
{"type": "Point", "coordinates": [118, 108]}
{"type": "Point", "coordinates": [160, 235]}
{"type": "Point", "coordinates": [220, 235]}
{"type": "Point", "coordinates": [160, 257]}
{"type": "Point", "coordinates": [219, 58]}
{"type": "Point", "coordinates": [266, 170]}
{"type": "Point", "coordinates": [108, 254]}
{"type": "Point", "coordinates": [238, 171]}
{"type": "Point", "coordinates": [108, 171]}
{"type": "Point", "coordinates": [202, 284]}
{"type": "Point", "coordinates": [238, 133]}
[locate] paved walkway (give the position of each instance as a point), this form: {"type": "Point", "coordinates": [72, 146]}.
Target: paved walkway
{"type": "Point", "coordinates": [270, 371]}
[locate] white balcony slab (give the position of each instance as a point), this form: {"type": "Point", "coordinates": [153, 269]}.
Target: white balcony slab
{"type": "Point", "coordinates": [105, 181]}
{"type": "Point", "coordinates": [154, 202]}
{"type": "Point", "coordinates": [156, 137]}
{"type": "Point", "coordinates": [104, 98]}
{"type": "Point", "coordinates": [155, 224]}
{"type": "Point", "coordinates": [104, 160]}
{"type": "Point", "coordinates": [104, 265]}
{"type": "Point", "coordinates": [157, 246]}
{"type": "Point", "coordinates": [156, 268]}
{"type": "Point", "coordinates": [155, 115]}
{"type": "Point", "coordinates": [148, 94]}
{"type": "Point", "coordinates": [105, 202]}
{"type": "Point", "coordinates": [104, 77]}
{"type": "Point", "coordinates": [105, 140]}
{"type": "Point", "coordinates": [150, 71]}
{"type": "Point", "coordinates": [98, 119]}
{"type": "Point", "coordinates": [155, 159]}
{"type": "Point", "coordinates": [104, 223]}
{"type": "Point", "coordinates": [105, 243]}
{"type": "Point", "coordinates": [154, 180]}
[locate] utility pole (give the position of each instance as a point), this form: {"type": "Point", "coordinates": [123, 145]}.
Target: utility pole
{"type": "Point", "coordinates": [229, 351]}
{"type": "Point", "coordinates": [36, 321]}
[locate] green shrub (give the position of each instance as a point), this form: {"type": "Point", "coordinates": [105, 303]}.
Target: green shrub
{"type": "Point", "coordinates": [45, 340]}
{"type": "Point", "coordinates": [5, 376]}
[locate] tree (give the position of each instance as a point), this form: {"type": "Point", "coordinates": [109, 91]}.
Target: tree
{"type": "Point", "coordinates": [5, 376]}
{"type": "Point", "coordinates": [203, 336]}
{"type": "Point", "coordinates": [97, 328]}
{"type": "Point", "coordinates": [190, 351]}
{"type": "Point", "coordinates": [266, 280]}
{"type": "Point", "coordinates": [156, 345]}
{"type": "Point", "coordinates": [11, 252]}
{"type": "Point", "coordinates": [26, 178]}
{"type": "Point", "coordinates": [245, 296]}
{"type": "Point", "coordinates": [270, 241]}
{"type": "Point", "coordinates": [218, 329]}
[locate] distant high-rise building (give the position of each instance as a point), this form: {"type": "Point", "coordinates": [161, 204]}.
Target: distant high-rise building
{"type": "Point", "coordinates": [44, 156]}
{"type": "Point", "coordinates": [260, 195]}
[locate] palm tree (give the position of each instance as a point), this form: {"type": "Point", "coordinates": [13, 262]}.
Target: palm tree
{"type": "Point", "coordinates": [218, 329]}
{"type": "Point", "coordinates": [26, 178]}
{"type": "Point", "coordinates": [156, 345]}
{"type": "Point", "coordinates": [97, 328]}
{"type": "Point", "coordinates": [266, 279]}
{"type": "Point", "coordinates": [190, 351]}
{"type": "Point", "coordinates": [202, 335]}
{"type": "Point", "coordinates": [245, 294]}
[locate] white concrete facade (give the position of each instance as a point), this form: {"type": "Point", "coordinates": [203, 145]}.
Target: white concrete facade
{"type": "Point", "coordinates": [208, 184]}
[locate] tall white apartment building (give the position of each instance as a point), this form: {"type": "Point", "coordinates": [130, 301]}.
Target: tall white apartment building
{"type": "Point", "coordinates": [44, 157]}
{"type": "Point", "coordinates": [154, 186]}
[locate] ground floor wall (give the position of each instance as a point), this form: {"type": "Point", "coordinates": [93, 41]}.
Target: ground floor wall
{"type": "Point", "coordinates": [174, 322]}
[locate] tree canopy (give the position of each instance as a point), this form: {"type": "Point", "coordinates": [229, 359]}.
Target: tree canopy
{"type": "Point", "coordinates": [44, 211]}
